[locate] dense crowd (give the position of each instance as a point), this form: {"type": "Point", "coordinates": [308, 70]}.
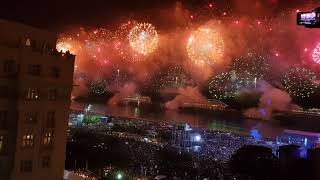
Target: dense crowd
{"type": "Point", "coordinates": [221, 145]}
{"type": "Point", "coordinates": [146, 150]}
{"type": "Point", "coordinates": [217, 145]}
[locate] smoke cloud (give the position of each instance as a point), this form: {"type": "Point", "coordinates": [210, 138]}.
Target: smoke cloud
{"type": "Point", "coordinates": [185, 95]}
{"type": "Point", "coordinates": [128, 89]}
{"type": "Point", "coordinates": [267, 28]}
{"type": "Point", "coordinates": [271, 100]}
{"type": "Point", "coordinates": [80, 89]}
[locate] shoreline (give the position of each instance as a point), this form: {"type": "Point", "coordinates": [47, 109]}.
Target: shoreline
{"type": "Point", "coordinates": [266, 142]}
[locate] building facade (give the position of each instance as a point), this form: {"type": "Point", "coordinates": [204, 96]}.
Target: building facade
{"type": "Point", "coordinates": [35, 87]}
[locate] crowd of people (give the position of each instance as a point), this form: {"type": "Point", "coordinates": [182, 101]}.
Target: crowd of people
{"type": "Point", "coordinates": [221, 145]}
{"type": "Point", "coordinates": [216, 145]}
{"type": "Point", "coordinates": [147, 146]}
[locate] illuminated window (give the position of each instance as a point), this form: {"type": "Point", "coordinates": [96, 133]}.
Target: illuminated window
{"type": "Point", "coordinates": [32, 94]}
{"type": "Point", "coordinates": [50, 120]}
{"type": "Point", "coordinates": [47, 139]}
{"type": "Point", "coordinates": [52, 94]}
{"type": "Point", "coordinates": [28, 42]}
{"type": "Point", "coordinates": [26, 166]}
{"type": "Point", "coordinates": [31, 117]}
{"type": "Point", "coordinates": [27, 140]}
{"type": "Point", "coordinates": [46, 161]}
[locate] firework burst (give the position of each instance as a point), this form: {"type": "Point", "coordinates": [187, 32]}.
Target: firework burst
{"type": "Point", "coordinates": [174, 77]}
{"type": "Point", "coordinates": [65, 44]}
{"type": "Point", "coordinates": [300, 82]}
{"type": "Point", "coordinates": [223, 86]}
{"type": "Point", "coordinates": [316, 54]}
{"type": "Point", "coordinates": [249, 69]}
{"type": "Point", "coordinates": [100, 35]}
{"type": "Point", "coordinates": [97, 42]}
{"type": "Point", "coordinates": [205, 46]}
{"type": "Point", "coordinates": [121, 42]}
{"type": "Point", "coordinates": [98, 87]}
{"type": "Point", "coordinates": [143, 38]}
{"type": "Point", "coordinates": [118, 78]}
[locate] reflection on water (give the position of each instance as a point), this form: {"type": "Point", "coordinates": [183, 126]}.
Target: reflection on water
{"type": "Point", "coordinates": [223, 121]}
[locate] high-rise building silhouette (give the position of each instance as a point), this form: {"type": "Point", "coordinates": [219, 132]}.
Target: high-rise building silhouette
{"type": "Point", "coordinates": [35, 87]}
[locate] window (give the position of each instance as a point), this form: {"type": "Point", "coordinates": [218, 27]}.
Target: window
{"type": "Point", "coordinates": [34, 69]}
{"type": "Point", "coordinates": [47, 139]}
{"type": "Point", "coordinates": [33, 44]}
{"type": "Point", "coordinates": [55, 72]}
{"type": "Point", "coordinates": [32, 94]}
{"type": "Point", "coordinates": [46, 161]}
{"type": "Point", "coordinates": [3, 119]}
{"type": "Point", "coordinates": [50, 120]}
{"type": "Point", "coordinates": [9, 66]}
{"type": "Point", "coordinates": [26, 166]}
{"type": "Point", "coordinates": [28, 42]}
{"type": "Point", "coordinates": [46, 46]}
{"type": "Point", "coordinates": [31, 117]}
{"type": "Point", "coordinates": [2, 165]}
{"type": "Point", "coordinates": [27, 140]}
{"type": "Point", "coordinates": [4, 91]}
{"type": "Point", "coordinates": [2, 144]}
{"type": "Point", "coordinates": [52, 94]}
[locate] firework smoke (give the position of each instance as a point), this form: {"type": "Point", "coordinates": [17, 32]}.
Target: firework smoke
{"type": "Point", "coordinates": [128, 89]}
{"type": "Point", "coordinates": [271, 100]}
{"type": "Point", "coordinates": [185, 95]}
{"type": "Point", "coordinates": [267, 28]}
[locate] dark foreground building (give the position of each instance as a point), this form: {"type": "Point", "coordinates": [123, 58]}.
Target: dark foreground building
{"type": "Point", "coordinates": [35, 87]}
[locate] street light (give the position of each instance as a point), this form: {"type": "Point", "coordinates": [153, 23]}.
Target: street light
{"type": "Point", "coordinates": [119, 176]}
{"type": "Point", "coordinates": [197, 138]}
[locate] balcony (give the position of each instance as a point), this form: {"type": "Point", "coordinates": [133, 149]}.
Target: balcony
{"type": "Point", "coordinates": [38, 50]}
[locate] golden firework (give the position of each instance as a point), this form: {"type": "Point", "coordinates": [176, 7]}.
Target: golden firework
{"type": "Point", "coordinates": [205, 46]}
{"type": "Point", "coordinates": [65, 44]}
{"type": "Point", "coordinates": [143, 38]}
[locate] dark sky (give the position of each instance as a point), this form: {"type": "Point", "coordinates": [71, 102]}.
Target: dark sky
{"type": "Point", "coordinates": [56, 14]}
{"type": "Point", "coordinates": [52, 14]}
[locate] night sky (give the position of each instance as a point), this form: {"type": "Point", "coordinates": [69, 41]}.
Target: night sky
{"type": "Point", "coordinates": [56, 14]}
{"type": "Point", "coordinates": [93, 30]}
